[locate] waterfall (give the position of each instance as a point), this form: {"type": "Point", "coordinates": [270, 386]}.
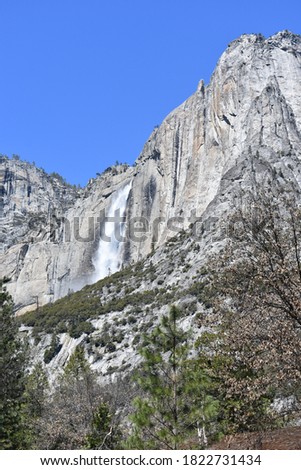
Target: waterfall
{"type": "Point", "coordinates": [107, 258]}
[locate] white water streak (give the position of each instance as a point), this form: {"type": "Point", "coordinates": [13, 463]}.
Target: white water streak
{"type": "Point", "coordinates": [107, 259]}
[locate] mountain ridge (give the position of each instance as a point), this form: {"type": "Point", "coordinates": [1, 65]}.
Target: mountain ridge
{"type": "Point", "coordinates": [247, 118]}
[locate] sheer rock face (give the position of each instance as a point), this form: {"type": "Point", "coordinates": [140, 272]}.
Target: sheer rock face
{"type": "Point", "coordinates": [251, 107]}
{"type": "Point", "coordinates": [246, 121]}
{"type": "Point", "coordinates": [50, 231]}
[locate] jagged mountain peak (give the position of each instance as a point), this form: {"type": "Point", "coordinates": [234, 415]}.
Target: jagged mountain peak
{"type": "Point", "coordinates": [285, 37]}
{"type": "Point", "coordinates": [280, 38]}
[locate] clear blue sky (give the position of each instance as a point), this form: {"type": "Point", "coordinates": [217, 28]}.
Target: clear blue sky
{"type": "Point", "coordinates": [83, 82]}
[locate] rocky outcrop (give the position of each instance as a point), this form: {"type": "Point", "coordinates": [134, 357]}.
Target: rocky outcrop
{"type": "Point", "coordinates": [252, 105]}
{"type": "Point", "coordinates": [51, 231]}
{"type": "Point", "coordinates": [244, 125]}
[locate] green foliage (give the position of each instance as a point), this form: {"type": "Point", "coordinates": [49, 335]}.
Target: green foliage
{"type": "Point", "coordinates": [35, 398]}
{"type": "Point", "coordinates": [53, 349]}
{"type": "Point", "coordinates": [72, 312]}
{"type": "Point", "coordinates": [176, 402]}
{"type": "Point", "coordinates": [76, 330]}
{"type": "Point", "coordinates": [12, 367]}
{"type": "Point", "coordinates": [78, 366]}
{"type": "Point", "coordinates": [36, 390]}
{"type": "Point", "coordinates": [234, 385]}
{"type": "Point", "coordinates": [103, 434]}
{"type": "Point", "coordinates": [75, 415]}
{"type": "Point", "coordinates": [58, 177]}
{"type": "Point", "coordinates": [254, 290]}
{"type": "Point", "coordinates": [110, 347]}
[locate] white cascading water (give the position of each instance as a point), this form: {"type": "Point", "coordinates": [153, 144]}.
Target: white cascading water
{"type": "Point", "coordinates": [107, 258]}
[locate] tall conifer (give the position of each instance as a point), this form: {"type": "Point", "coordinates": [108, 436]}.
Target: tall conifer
{"type": "Point", "coordinates": [12, 366]}
{"type": "Point", "coordinates": [175, 403]}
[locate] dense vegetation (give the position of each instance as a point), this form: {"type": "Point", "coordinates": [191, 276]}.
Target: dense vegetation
{"type": "Point", "coordinates": [238, 371]}
{"type": "Point", "coordinates": [12, 375]}
{"type": "Point", "coordinates": [72, 313]}
{"type": "Point", "coordinates": [180, 399]}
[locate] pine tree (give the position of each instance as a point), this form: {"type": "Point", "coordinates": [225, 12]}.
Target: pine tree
{"type": "Point", "coordinates": [175, 403]}
{"type": "Point", "coordinates": [78, 368]}
{"type": "Point", "coordinates": [35, 398]}
{"type": "Point", "coordinates": [103, 434]}
{"type": "Point", "coordinates": [36, 391]}
{"type": "Point", "coordinates": [12, 366]}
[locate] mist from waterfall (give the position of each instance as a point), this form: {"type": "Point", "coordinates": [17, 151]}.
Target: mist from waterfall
{"type": "Point", "coordinates": [107, 259]}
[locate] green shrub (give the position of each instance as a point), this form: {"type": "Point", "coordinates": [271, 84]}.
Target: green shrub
{"type": "Point", "coordinates": [53, 349]}
{"type": "Point", "coordinates": [110, 347]}
{"type": "Point", "coordinates": [75, 331]}
{"type": "Point", "coordinates": [131, 319]}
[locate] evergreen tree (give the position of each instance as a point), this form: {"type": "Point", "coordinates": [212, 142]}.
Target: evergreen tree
{"type": "Point", "coordinates": [35, 399]}
{"type": "Point", "coordinates": [12, 366]}
{"type": "Point", "coordinates": [176, 403]}
{"type": "Point", "coordinates": [36, 390]}
{"type": "Point", "coordinates": [103, 434]}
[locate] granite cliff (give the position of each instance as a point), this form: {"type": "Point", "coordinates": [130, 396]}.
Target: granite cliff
{"type": "Point", "coordinates": [245, 125]}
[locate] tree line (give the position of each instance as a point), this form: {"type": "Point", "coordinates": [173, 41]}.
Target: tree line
{"type": "Point", "coordinates": [240, 373]}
